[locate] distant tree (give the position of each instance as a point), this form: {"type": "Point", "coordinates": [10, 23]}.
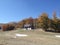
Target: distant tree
{"type": "Point", "coordinates": [56, 23]}
{"type": "Point", "coordinates": [31, 22]}
{"type": "Point", "coordinates": [10, 26]}
{"type": "Point", "coordinates": [50, 24]}
{"type": "Point", "coordinates": [43, 21]}
{"type": "Point", "coordinates": [35, 23]}
{"type": "Point", "coordinates": [20, 24]}
{"type": "Point", "coordinates": [25, 21]}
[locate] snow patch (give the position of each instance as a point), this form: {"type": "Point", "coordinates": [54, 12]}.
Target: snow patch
{"type": "Point", "coordinates": [57, 36]}
{"type": "Point", "coordinates": [20, 35]}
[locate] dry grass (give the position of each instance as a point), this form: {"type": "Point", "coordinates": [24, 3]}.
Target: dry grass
{"type": "Point", "coordinates": [35, 37]}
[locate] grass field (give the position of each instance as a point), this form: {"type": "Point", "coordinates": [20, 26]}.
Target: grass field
{"type": "Point", "coordinates": [35, 37]}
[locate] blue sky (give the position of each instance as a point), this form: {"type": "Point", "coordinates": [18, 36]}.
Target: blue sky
{"type": "Point", "coordinates": [16, 10]}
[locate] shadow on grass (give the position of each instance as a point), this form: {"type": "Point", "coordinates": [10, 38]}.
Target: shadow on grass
{"type": "Point", "coordinates": [49, 30]}
{"type": "Point", "coordinates": [52, 31]}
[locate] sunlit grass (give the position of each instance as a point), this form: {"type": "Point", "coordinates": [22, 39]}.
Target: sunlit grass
{"type": "Point", "coordinates": [35, 37]}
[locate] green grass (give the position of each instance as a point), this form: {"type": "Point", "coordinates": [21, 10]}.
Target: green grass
{"type": "Point", "coordinates": [35, 37]}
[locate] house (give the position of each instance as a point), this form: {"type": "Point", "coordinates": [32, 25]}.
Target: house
{"type": "Point", "coordinates": [27, 26]}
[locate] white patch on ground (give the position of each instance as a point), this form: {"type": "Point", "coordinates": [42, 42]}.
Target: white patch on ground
{"type": "Point", "coordinates": [16, 35]}
{"type": "Point", "coordinates": [57, 36]}
{"type": "Point", "coordinates": [20, 35]}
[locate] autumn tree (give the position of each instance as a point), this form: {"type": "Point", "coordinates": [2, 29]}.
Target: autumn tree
{"type": "Point", "coordinates": [56, 23]}
{"type": "Point", "coordinates": [50, 24]}
{"type": "Point", "coordinates": [25, 21]}
{"type": "Point", "coordinates": [35, 23]}
{"type": "Point", "coordinates": [29, 21]}
{"type": "Point", "coordinates": [20, 24]}
{"type": "Point", "coordinates": [43, 21]}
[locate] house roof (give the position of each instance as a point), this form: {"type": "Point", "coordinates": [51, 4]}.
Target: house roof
{"type": "Point", "coordinates": [27, 25]}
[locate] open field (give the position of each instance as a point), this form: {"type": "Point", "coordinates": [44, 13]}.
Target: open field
{"type": "Point", "coordinates": [35, 37]}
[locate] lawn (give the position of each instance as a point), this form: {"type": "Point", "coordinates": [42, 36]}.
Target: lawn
{"type": "Point", "coordinates": [35, 37]}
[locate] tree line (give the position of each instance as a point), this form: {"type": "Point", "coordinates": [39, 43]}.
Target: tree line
{"type": "Point", "coordinates": [43, 22]}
